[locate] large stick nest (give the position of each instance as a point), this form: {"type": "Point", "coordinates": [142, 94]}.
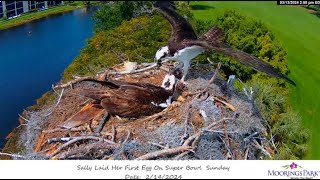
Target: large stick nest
{"type": "Point", "coordinates": [217, 123]}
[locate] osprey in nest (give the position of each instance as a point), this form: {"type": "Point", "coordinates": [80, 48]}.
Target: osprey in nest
{"type": "Point", "coordinates": [184, 45]}
{"type": "Point", "coordinates": [132, 100]}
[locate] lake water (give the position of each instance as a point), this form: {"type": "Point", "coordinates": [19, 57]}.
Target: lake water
{"type": "Point", "coordinates": [31, 63]}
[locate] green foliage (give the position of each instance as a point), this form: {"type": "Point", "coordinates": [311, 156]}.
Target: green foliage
{"type": "Point", "coordinates": [134, 40]}
{"type": "Point", "coordinates": [290, 137]}
{"type": "Point", "coordinates": [106, 18]}
{"type": "Point", "coordinates": [314, 7]}
{"type": "Point", "coordinates": [270, 98]}
{"type": "Point", "coordinates": [114, 13]}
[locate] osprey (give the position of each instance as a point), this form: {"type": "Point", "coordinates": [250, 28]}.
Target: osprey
{"type": "Point", "coordinates": [132, 100]}
{"type": "Point", "coordinates": [184, 45]}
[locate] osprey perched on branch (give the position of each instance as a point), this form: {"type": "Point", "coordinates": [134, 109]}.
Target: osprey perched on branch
{"type": "Point", "coordinates": [184, 45]}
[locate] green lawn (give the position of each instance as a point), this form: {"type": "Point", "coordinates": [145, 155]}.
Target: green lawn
{"type": "Point", "coordinates": [298, 31]}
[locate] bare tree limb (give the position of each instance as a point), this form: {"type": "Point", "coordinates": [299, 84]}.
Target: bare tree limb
{"type": "Point", "coordinates": [12, 155]}
{"type": "Point", "coordinates": [138, 70]}
{"type": "Point", "coordinates": [164, 152]}
{"type": "Point", "coordinates": [88, 148]}
{"type": "Point", "coordinates": [81, 128]}
{"type": "Point", "coordinates": [48, 114]}
{"type": "Point", "coordinates": [265, 152]}
{"type": "Point", "coordinates": [77, 80]}
{"type": "Point", "coordinates": [24, 118]}
{"type": "Point", "coordinates": [76, 139]}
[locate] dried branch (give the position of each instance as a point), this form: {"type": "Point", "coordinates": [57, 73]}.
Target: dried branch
{"type": "Point", "coordinates": [114, 134]}
{"type": "Point", "coordinates": [186, 122]}
{"type": "Point", "coordinates": [55, 104]}
{"type": "Point", "coordinates": [138, 70]}
{"type": "Point", "coordinates": [164, 152]}
{"type": "Point", "coordinates": [39, 144]}
{"type": "Point", "coordinates": [129, 135]}
{"type": "Point", "coordinates": [88, 148]}
{"type": "Point", "coordinates": [102, 122]}
{"type": "Point", "coordinates": [51, 140]}
{"type": "Point", "coordinates": [191, 138]}
{"type": "Point", "coordinates": [181, 155]}
{"type": "Point", "coordinates": [225, 103]}
{"type": "Point", "coordinates": [76, 139]}
{"type": "Point", "coordinates": [158, 145]}
{"type": "Point", "coordinates": [225, 128]}
{"type": "Point", "coordinates": [24, 118]}
{"type": "Point", "coordinates": [72, 82]}
{"type": "Point", "coordinates": [227, 147]}
{"type": "Point", "coordinates": [12, 155]}
{"type": "Point", "coordinates": [265, 152]}
{"type": "Point", "coordinates": [212, 125]}
{"type": "Point", "coordinates": [246, 153]}
{"type": "Point", "coordinates": [81, 128]}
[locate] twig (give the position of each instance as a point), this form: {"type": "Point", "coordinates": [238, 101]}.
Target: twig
{"type": "Point", "coordinates": [158, 145]}
{"type": "Point", "coordinates": [114, 134]}
{"type": "Point", "coordinates": [186, 122]}
{"type": "Point", "coordinates": [164, 152]}
{"type": "Point", "coordinates": [51, 140]}
{"type": "Point", "coordinates": [181, 155]}
{"type": "Point", "coordinates": [191, 138]}
{"type": "Point", "coordinates": [77, 80]}
{"type": "Point", "coordinates": [246, 153]}
{"type": "Point", "coordinates": [194, 139]}
{"type": "Point", "coordinates": [225, 128]}
{"type": "Point", "coordinates": [81, 128]}
{"type": "Point", "coordinates": [12, 155]}
{"type": "Point", "coordinates": [102, 122]}
{"type": "Point", "coordinates": [55, 104]}
{"type": "Point", "coordinates": [24, 118]}
{"type": "Point", "coordinates": [222, 132]}
{"type": "Point", "coordinates": [225, 103]}
{"type": "Point", "coordinates": [138, 70]}
{"type": "Point", "coordinates": [88, 148]}
{"type": "Point", "coordinates": [129, 135]}
{"type": "Point", "coordinates": [212, 125]}
{"type": "Point", "coordinates": [250, 136]}
{"type": "Point", "coordinates": [39, 144]}
{"type": "Point", "coordinates": [227, 147]}
{"type": "Point", "coordinates": [76, 139]}
{"type": "Point", "coordinates": [257, 145]}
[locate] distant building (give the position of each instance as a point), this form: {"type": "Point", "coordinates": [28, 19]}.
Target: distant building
{"type": "Point", "coordinates": [14, 8]}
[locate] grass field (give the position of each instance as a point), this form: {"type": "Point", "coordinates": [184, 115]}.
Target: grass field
{"type": "Point", "coordinates": [298, 31]}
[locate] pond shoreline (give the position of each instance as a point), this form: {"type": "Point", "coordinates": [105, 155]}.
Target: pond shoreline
{"type": "Point", "coordinates": [11, 138]}
{"type": "Point", "coordinates": [41, 14]}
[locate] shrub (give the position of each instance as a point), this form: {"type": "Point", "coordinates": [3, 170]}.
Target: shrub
{"type": "Point", "coordinates": [134, 40]}
{"type": "Point", "coordinates": [114, 13]}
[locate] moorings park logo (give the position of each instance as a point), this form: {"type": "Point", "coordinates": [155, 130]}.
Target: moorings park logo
{"type": "Point", "coordinates": [294, 170]}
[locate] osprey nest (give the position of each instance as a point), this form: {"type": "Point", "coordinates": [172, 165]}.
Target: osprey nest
{"type": "Point", "coordinates": [209, 121]}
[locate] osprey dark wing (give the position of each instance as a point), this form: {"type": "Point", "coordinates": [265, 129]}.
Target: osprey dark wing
{"type": "Point", "coordinates": [181, 28]}
{"type": "Point", "coordinates": [212, 41]}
